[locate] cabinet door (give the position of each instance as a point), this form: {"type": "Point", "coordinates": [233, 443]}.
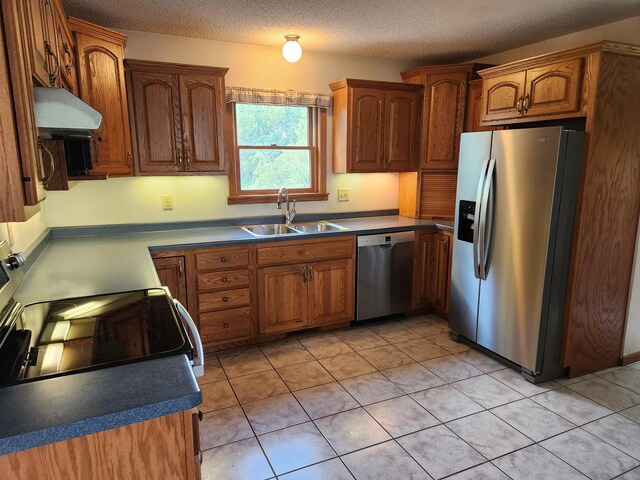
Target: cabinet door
{"type": "Point", "coordinates": [553, 88]}
{"type": "Point", "coordinates": [474, 107]}
{"type": "Point", "coordinates": [446, 97]}
{"type": "Point", "coordinates": [66, 57]}
{"type": "Point", "coordinates": [157, 130]}
{"type": "Point", "coordinates": [38, 12]}
{"type": "Point", "coordinates": [402, 131]}
{"type": "Point", "coordinates": [102, 85]}
{"type": "Point", "coordinates": [331, 291]}
{"type": "Point", "coordinates": [282, 298]}
{"type": "Point", "coordinates": [502, 96]}
{"type": "Point", "coordinates": [171, 272]}
{"type": "Point", "coordinates": [202, 100]}
{"type": "Point", "coordinates": [432, 270]}
{"type": "Point", "coordinates": [367, 130]}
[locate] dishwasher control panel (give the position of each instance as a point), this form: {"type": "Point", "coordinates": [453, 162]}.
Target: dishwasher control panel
{"type": "Point", "coordinates": [386, 238]}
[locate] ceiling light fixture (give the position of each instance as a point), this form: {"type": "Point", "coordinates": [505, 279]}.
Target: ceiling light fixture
{"type": "Point", "coordinates": [291, 50]}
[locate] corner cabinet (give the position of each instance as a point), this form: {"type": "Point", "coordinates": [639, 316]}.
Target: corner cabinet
{"type": "Point", "coordinates": [375, 126]}
{"type": "Point", "coordinates": [178, 116]}
{"type": "Point", "coordinates": [171, 272]}
{"type": "Point", "coordinates": [305, 284]}
{"type": "Point", "coordinates": [432, 270]}
{"type": "Point", "coordinates": [100, 54]}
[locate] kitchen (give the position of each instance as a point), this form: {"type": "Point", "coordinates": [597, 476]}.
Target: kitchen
{"type": "Point", "coordinates": [203, 198]}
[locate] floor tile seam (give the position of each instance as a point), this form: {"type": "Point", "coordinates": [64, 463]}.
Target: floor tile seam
{"type": "Point", "coordinates": [523, 394]}
{"type": "Point", "coordinates": [546, 450]}
{"type": "Point", "coordinates": [488, 375]}
{"type": "Point", "coordinates": [478, 403]}
{"type": "Point", "coordinates": [475, 366]}
{"type": "Point", "coordinates": [608, 381]}
{"type": "Point", "coordinates": [411, 456]}
{"type": "Point", "coordinates": [573, 425]}
{"type": "Point", "coordinates": [625, 472]}
{"type": "Point", "coordinates": [606, 441]}
{"type": "Point", "coordinates": [474, 466]}
{"type": "Point", "coordinates": [621, 412]}
{"type": "Point", "coordinates": [463, 416]}
{"type": "Point", "coordinates": [561, 459]}
{"type": "Point", "coordinates": [583, 396]}
{"type": "Point", "coordinates": [501, 420]}
{"type": "Point", "coordinates": [560, 414]}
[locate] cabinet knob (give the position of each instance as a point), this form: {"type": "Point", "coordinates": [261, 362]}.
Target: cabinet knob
{"type": "Point", "coordinates": [226, 325]}
{"type": "Point", "coordinates": [225, 299]}
{"type": "Point", "coordinates": [224, 279]}
{"type": "Point", "coordinates": [223, 259]}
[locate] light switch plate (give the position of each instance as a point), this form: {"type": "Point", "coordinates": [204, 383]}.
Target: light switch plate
{"type": "Point", "coordinates": [343, 194]}
{"type": "Point", "coordinates": [167, 202]}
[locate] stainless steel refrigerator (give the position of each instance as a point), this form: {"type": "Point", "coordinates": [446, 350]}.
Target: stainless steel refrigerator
{"type": "Point", "coordinates": [515, 204]}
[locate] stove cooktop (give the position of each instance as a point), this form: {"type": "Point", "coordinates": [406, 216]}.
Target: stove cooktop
{"type": "Point", "coordinates": [76, 334]}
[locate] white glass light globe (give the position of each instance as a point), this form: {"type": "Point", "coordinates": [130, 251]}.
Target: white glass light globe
{"type": "Point", "coordinates": [291, 50]}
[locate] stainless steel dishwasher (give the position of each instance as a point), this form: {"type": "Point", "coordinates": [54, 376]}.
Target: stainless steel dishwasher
{"type": "Point", "coordinates": [385, 274]}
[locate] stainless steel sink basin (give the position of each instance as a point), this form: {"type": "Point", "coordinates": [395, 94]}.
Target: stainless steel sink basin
{"type": "Point", "coordinates": [268, 230]}
{"type": "Point", "coordinates": [281, 229]}
{"type": "Point", "coordinates": [316, 227]}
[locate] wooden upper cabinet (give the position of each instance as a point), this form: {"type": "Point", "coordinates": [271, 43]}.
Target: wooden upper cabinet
{"type": "Point", "coordinates": [375, 126]}
{"type": "Point", "coordinates": [100, 54]}
{"type": "Point", "coordinates": [538, 90]}
{"type": "Point", "coordinates": [443, 113]}
{"type": "Point", "coordinates": [554, 88]}
{"type": "Point", "coordinates": [367, 129]}
{"type": "Point", "coordinates": [202, 100]}
{"type": "Point", "coordinates": [474, 107]}
{"type": "Point", "coordinates": [68, 76]}
{"type": "Point", "coordinates": [503, 96]}
{"type": "Point", "coordinates": [155, 107]}
{"type": "Point", "coordinates": [40, 18]}
{"type": "Point", "coordinates": [177, 113]}
{"type": "Point", "coordinates": [402, 139]}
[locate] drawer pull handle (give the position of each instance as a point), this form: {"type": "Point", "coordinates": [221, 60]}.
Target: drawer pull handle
{"type": "Point", "coordinates": [224, 279]}
{"type": "Point", "coordinates": [226, 325]}
{"type": "Point", "coordinates": [223, 259]}
{"type": "Point", "coordinates": [200, 415]}
{"type": "Point", "coordinates": [225, 299]}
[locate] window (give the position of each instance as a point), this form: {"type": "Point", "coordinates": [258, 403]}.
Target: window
{"type": "Point", "coordinates": [277, 146]}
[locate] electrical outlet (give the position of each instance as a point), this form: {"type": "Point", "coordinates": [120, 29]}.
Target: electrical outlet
{"type": "Point", "coordinates": [167, 202]}
{"type": "Point", "coordinates": [343, 194]}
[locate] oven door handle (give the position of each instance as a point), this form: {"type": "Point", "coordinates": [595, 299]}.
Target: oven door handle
{"type": "Point", "coordinates": [198, 362]}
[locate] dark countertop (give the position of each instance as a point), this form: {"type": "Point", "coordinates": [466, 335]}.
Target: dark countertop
{"type": "Point", "coordinates": [55, 409]}
{"type": "Point", "coordinates": [69, 406]}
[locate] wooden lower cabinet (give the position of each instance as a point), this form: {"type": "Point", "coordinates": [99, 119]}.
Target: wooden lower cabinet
{"type": "Point", "coordinates": [160, 448]}
{"type": "Point", "coordinates": [171, 272]}
{"type": "Point", "coordinates": [295, 294]}
{"type": "Point", "coordinates": [432, 270]}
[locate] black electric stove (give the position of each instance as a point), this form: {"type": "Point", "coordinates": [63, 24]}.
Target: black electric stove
{"type": "Point", "coordinates": [60, 337]}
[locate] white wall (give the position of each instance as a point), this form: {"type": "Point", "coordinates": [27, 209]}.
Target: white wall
{"type": "Point", "coordinates": [22, 235]}
{"type": "Point", "coordinates": [128, 200]}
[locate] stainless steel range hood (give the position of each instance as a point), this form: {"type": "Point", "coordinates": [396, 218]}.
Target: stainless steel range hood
{"type": "Point", "coordinates": [59, 113]}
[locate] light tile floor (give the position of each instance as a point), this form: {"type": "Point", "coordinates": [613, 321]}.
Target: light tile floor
{"type": "Point", "coordinates": [400, 400]}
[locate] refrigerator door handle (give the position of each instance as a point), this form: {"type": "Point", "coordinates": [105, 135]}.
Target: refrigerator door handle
{"type": "Point", "coordinates": [478, 218]}
{"type": "Point", "coordinates": [198, 361]}
{"type": "Point", "coordinates": [486, 208]}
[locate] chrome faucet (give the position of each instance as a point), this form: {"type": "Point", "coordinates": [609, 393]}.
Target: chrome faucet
{"type": "Point", "coordinates": [289, 213]}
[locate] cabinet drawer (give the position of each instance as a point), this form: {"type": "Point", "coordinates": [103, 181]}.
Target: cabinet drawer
{"type": "Point", "coordinates": [290, 252]}
{"type": "Point", "coordinates": [223, 280]}
{"type": "Point", "coordinates": [218, 327]}
{"type": "Point", "coordinates": [223, 299]}
{"type": "Point", "coordinates": [222, 258]}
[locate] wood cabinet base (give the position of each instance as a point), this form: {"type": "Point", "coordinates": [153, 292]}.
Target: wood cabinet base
{"type": "Point", "coordinates": [160, 448]}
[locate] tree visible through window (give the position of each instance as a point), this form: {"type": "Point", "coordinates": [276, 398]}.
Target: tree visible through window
{"type": "Point", "coordinates": [277, 146]}
{"type": "Point", "coordinates": [274, 147]}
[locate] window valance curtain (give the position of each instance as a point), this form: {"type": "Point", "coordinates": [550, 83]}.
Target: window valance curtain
{"type": "Point", "coordinates": [288, 98]}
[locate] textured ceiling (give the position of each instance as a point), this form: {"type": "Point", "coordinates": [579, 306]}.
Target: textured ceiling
{"type": "Point", "coordinates": [418, 30]}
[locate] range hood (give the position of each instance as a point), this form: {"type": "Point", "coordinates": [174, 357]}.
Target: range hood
{"type": "Point", "coordinates": [59, 113]}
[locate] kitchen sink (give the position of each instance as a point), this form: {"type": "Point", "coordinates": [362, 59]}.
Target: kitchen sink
{"type": "Point", "coordinates": [316, 227]}
{"type": "Point", "coordinates": [280, 229]}
{"type": "Point", "coordinates": [268, 230]}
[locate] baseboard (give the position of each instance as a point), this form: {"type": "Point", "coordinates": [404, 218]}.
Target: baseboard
{"type": "Point", "coordinates": [631, 358]}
